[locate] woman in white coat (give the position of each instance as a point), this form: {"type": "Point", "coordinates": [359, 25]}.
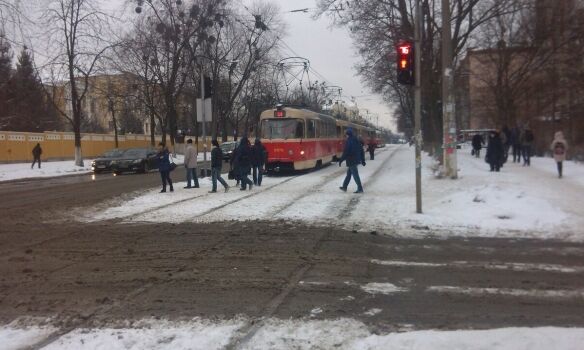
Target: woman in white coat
{"type": "Point", "coordinates": [559, 148]}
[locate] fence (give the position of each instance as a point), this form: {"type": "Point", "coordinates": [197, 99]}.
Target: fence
{"type": "Point", "coordinates": [17, 146]}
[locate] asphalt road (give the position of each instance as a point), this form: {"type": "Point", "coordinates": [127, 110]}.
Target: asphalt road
{"type": "Point", "coordinates": [105, 272]}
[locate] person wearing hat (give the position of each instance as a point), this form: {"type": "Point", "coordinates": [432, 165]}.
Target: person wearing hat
{"type": "Point", "coordinates": [354, 155]}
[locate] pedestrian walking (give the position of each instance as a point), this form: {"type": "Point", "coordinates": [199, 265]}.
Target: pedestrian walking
{"type": "Point", "coordinates": [191, 164]}
{"type": "Point", "coordinates": [216, 165]}
{"type": "Point", "coordinates": [164, 167]}
{"type": "Point", "coordinates": [36, 155]}
{"type": "Point", "coordinates": [505, 135]}
{"type": "Point", "coordinates": [527, 139]}
{"type": "Point", "coordinates": [477, 144]}
{"type": "Point", "coordinates": [516, 144]}
{"type": "Point", "coordinates": [371, 146]}
{"type": "Point", "coordinates": [259, 157]}
{"type": "Point", "coordinates": [495, 151]}
{"type": "Point", "coordinates": [244, 163]}
{"type": "Point", "coordinates": [559, 148]}
{"type": "Point", "coordinates": [234, 164]}
{"type": "Point", "coordinates": [354, 155]}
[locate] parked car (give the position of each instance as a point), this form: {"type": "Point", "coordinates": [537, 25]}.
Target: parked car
{"type": "Point", "coordinates": [228, 148]}
{"type": "Point", "coordinates": [103, 163]}
{"type": "Point", "coordinates": [138, 160]}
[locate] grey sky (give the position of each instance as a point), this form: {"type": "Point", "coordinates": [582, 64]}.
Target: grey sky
{"type": "Point", "coordinates": [331, 53]}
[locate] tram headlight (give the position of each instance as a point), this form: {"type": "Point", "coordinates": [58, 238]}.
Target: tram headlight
{"type": "Point", "coordinates": [301, 153]}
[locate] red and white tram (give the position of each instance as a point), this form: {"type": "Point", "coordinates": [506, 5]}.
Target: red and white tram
{"type": "Point", "coordinates": [298, 139]}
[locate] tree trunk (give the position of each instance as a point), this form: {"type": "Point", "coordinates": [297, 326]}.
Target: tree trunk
{"type": "Point", "coordinates": [152, 130]}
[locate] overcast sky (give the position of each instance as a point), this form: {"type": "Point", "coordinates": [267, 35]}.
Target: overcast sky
{"type": "Point", "coordinates": [331, 53]}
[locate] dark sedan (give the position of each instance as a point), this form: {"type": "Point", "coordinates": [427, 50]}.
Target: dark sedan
{"type": "Point", "coordinates": [103, 163]}
{"type": "Point", "coordinates": [137, 160]}
{"type": "Point", "coordinates": [228, 148]}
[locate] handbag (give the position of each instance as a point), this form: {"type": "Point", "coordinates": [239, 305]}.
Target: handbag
{"type": "Point", "coordinates": [172, 163]}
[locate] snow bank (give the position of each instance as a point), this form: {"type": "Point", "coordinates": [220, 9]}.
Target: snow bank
{"type": "Point", "coordinates": [160, 335]}
{"type": "Point", "coordinates": [48, 169]}
{"type": "Point", "coordinates": [342, 334]}
{"type": "Point", "coordinates": [17, 338]}
{"type": "Point", "coordinates": [523, 202]}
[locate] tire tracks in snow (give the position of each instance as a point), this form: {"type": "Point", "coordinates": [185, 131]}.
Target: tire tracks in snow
{"type": "Point", "coordinates": [248, 331]}
{"type": "Point", "coordinates": [354, 201]}
{"type": "Point", "coordinates": [85, 318]}
{"type": "Point", "coordinates": [313, 189]}
{"type": "Point", "coordinates": [168, 205]}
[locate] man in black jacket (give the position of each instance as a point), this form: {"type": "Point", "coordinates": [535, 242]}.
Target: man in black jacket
{"type": "Point", "coordinates": [216, 165]}
{"type": "Point", "coordinates": [36, 154]}
{"type": "Point", "coordinates": [258, 160]}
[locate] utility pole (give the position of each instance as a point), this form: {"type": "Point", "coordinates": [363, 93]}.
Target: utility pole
{"type": "Point", "coordinates": [448, 120]}
{"type": "Point", "coordinates": [418, 105]}
{"type": "Point", "coordinates": [204, 122]}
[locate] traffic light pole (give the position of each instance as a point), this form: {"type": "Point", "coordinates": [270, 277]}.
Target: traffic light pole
{"type": "Point", "coordinates": [418, 106]}
{"type": "Point", "coordinates": [204, 123]}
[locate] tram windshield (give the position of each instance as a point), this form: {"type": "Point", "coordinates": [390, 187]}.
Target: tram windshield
{"type": "Point", "coordinates": [282, 128]}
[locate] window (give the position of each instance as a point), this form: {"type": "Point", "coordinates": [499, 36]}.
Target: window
{"type": "Point", "coordinates": [282, 129]}
{"type": "Point", "coordinates": [311, 129]}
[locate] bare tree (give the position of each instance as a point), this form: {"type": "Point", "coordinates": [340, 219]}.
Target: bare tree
{"type": "Point", "coordinates": [76, 33]}
{"type": "Point", "coordinates": [378, 25]}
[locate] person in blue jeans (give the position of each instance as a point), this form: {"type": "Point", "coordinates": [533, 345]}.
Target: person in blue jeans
{"type": "Point", "coordinates": [164, 167]}
{"type": "Point", "coordinates": [354, 155]}
{"type": "Point", "coordinates": [216, 165]}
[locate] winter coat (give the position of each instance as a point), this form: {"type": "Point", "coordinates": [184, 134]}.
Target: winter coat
{"type": "Point", "coordinates": [244, 154]}
{"type": "Point", "coordinates": [515, 136]}
{"type": "Point", "coordinates": [559, 147]}
{"type": "Point", "coordinates": [259, 154]}
{"type": "Point", "coordinates": [371, 147]}
{"type": "Point", "coordinates": [216, 157]}
{"type": "Point", "coordinates": [505, 136]}
{"type": "Point", "coordinates": [37, 151]}
{"type": "Point", "coordinates": [190, 157]}
{"type": "Point", "coordinates": [353, 152]}
{"type": "Point", "coordinates": [163, 160]}
{"type": "Point", "coordinates": [477, 141]}
{"type": "Point", "coordinates": [527, 137]}
{"type": "Point", "coordinates": [495, 152]}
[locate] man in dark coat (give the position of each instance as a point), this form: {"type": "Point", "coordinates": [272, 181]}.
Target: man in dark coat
{"type": "Point", "coordinates": [516, 144]}
{"type": "Point", "coordinates": [244, 162]}
{"type": "Point", "coordinates": [371, 149]}
{"type": "Point", "coordinates": [258, 159]}
{"type": "Point", "coordinates": [234, 164]}
{"type": "Point", "coordinates": [495, 151]}
{"type": "Point", "coordinates": [36, 155]}
{"type": "Point", "coordinates": [354, 155]}
{"type": "Point", "coordinates": [477, 144]}
{"type": "Point", "coordinates": [164, 166]}
{"type": "Point", "coordinates": [216, 165]}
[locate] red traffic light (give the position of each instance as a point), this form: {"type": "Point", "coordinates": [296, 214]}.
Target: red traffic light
{"type": "Point", "coordinates": [405, 63]}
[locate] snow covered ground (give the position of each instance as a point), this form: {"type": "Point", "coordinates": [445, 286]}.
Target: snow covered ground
{"type": "Point", "coordinates": [291, 334]}
{"type": "Point", "coordinates": [16, 171]}
{"type": "Point", "coordinates": [517, 202]}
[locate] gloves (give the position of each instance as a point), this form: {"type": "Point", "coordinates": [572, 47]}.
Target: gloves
{"type": "Point", "coordinates": [363, 163]}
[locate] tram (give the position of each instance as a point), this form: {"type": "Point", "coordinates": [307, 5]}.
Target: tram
{"type": "Point", "coordinates": [299, 139]}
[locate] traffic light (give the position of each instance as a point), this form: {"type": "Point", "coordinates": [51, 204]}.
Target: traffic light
{"type": "Point", "coordinates": [405, 63]}
{"type": "Point", "coordinates": [208, 87]}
